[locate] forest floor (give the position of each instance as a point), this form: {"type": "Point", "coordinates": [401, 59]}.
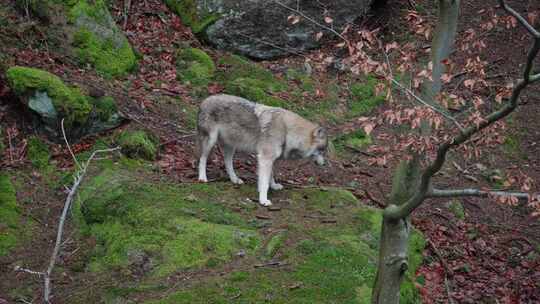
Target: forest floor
{"type": "Point", "coordinates": [478, 250]}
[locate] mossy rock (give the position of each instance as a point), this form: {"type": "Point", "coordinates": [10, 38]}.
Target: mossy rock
{"type": "Point", "coordinates": [138, 144]}
{"type": "Point", "coordinates": [195, 66]}
{"type": "Point", "coordinates": [175, 227]}
{"type": "Point", "coordinates": [363, 97]}
{"type": "Point", "coordinates": [68, 102]}
{"type": "Point", "coordinates": [51, 100]}
{"type": "Point", "coordinates": [9, 215]}
{"type": "Point", "coordinates": [38, 153]}
{"type": "Point", "coordinates": [98, 41]}
{"type": "Point", "coordinates": [197, 20]}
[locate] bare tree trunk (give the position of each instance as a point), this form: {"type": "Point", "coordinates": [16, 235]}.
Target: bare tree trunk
{"type": "Point", "coordinates": [393, 251]}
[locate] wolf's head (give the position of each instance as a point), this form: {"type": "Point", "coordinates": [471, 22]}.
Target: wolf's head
{"type": "Point", "coordinates": [319, 144]}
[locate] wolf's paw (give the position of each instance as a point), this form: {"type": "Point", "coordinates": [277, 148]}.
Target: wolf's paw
{"type": "Point", "coordinates": [203, 179]}
{"type": "Point", "coordinates": [266, 203]}
{"type": "Point", "coordinates": [276, 186]}
{"type": "Point", "coordinates": [237, 181]}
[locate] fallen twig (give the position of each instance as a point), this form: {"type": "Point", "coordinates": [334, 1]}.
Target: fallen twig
{"type": "Point", "coordinates": [271, 263]}
{"type": "Point", "coordinates": [79, 175]}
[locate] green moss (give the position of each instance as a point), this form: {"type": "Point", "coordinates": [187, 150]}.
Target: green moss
{"type": "Point", "coordinates": [69, 102]}
{"type": "Point", "coordinates": [235, 67]}
{"type": "Point", "coordinates": [9, 215]}
{"type": "Point", "coordinates": [103, 55]}
{"type": "Point", "coordinates": [328, 198]}
{"type": "Point", "coordinates": [199, 244]}
{"type": "Point", "coordinates": [329, 263]}
{"type": "Point", "coordinates": [2, 145]}
{"type": "Point", "coordinates": [275, 244]}
{"type": "Point", "coordinates": [187, 10]}
{"type": "Point", "coordinates": [369, 220]}
{"type": "Point", "coordinates": [417, 243]}
{"type": "Point", "coordinates": [138, 144]}
{"type": "Point", "coordinates": [363, 98]}
{"type": "Point", "coordinates": [357, 140]}
{"type": "Point", "coordinates": [512, 146]}
{"type": "Point", "coordinates": [190, 113]}
{"type": "Point", "coordinates": [176, 227]}
{"type": "Point", "coordinates": [306, 82]}
{"type": "Point", "coordinates": [104, 107]}
{"type": "Point", "coordinates": [251, 81]}
{"type": "Point", "coordinates": [195, 67]}
{"type": "Point", "coordinates": [38, 153]}
{"type": "Point", "coordinates": [97, 10]}
{"type": "Point", "coordinates": [457, 209]}
{"type": "Point", "coordinates": [254, 90]}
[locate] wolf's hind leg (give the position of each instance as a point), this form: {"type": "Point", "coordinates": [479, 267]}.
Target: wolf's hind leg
{"type": "Point", "coordinates": [207, 143]}
{"type": "Point", "coordinates": [228, 153]}
{"type": "Point", "coordinates": [273, 184]}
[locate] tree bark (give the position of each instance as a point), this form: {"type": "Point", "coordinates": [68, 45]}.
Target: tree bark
{"type": "Point", "coordinates": [442, 44]}
{"type": "Point", "coordinates": [393, 251]}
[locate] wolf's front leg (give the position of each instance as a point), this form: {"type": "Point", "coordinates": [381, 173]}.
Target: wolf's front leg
{"type": "Point", "coordinates": [264, 176]}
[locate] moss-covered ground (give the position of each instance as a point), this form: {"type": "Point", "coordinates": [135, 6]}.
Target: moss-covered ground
{"type": "Point", "coordinates": [320, 247]}
{"type": "Point", "coordinates": [9, 215]}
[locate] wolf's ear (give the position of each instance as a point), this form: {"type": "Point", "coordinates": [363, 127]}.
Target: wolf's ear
{"type": "Point", "coordinates": [320, 132]}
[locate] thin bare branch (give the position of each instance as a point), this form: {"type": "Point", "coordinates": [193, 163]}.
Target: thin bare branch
{"type": "Point", "coordinates": [520, 18]}
{"type": "Point", "coordinates": [78, 179]}
{"type": "Point", "coordinates": [68, 146]}
{"type": "Point", "coordinates": [22, 269]}
{"type": "Point", "coordinates": [312, 20]}
{"type": "Point", "coordinates": [476, 192]}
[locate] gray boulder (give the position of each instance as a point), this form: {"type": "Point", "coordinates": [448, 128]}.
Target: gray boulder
{"type": "Point", "coordinates": [260, 29]}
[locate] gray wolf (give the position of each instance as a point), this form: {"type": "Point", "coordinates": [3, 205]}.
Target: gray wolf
{"type": "Point", "coordinates": [271, 133]}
